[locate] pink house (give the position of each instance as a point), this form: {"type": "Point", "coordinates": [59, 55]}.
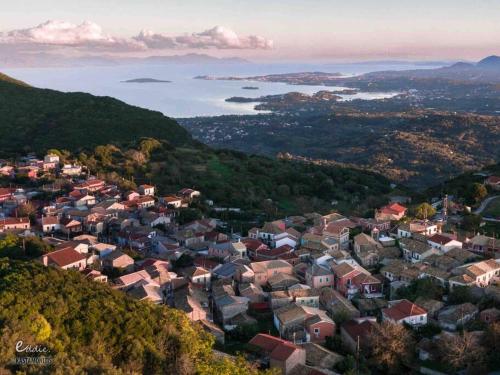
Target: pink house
{"type": "Point", "coordinates": [318, 276]}
{"type": "Point", "coordinates": [266, 269]}
{"type": "Point", "coordinates": [282, 354]}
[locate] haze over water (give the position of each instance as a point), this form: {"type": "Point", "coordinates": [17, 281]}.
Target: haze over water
{"type": "Point", "coordinates": [185, 96]}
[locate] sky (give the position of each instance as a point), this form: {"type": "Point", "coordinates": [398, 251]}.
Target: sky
{"type": "Point", "coordinates": [261, 30]}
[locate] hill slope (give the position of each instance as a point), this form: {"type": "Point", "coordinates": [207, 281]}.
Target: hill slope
{"type": "Point", "coordinates": [35, 119]}
{"type": "Point", "coordinates": [108, 136]}
{"type": "Point", "coordinates": [90, 328]}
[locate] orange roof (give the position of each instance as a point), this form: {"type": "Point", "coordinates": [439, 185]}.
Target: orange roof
{"type": "Point", "coordinates": [266, 342]}
{"type": "Point", "coordinates": [402, 310]}
{"type": "Point", "coordinates": [65, 256]}
{"type": "Point", "coordinates": [283, 351]}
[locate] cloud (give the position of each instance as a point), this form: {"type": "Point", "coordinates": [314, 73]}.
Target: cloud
{"type": "Point", "coordinates": [89, 35]}
{"type": "Point", "coordinates": [218, 37]}
{"type": "Point", "coordinates": [61, 33]}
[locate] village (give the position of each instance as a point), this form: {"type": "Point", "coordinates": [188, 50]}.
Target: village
{"type": "Point", "coordinates": [301, 294]}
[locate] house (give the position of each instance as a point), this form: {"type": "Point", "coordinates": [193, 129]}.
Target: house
{"type": "Point", "coordinates": [319, 276]}
{"type": "Point", "coordinates": [282, 354]}
{"type": "Point", "coordinates": [146, 189]}
{"type": "Point", "coordinates": [281, 281]}
{"type": "Point", "coordinates": [430, 305]}
{"type": "Point", "coordinates": [14, 223]}
{"type": "Point", "coordinates": [66, 258]}
{"type": "Point", "coordinates": [263, 271]}
{"type": "Point", "coordinates": [198, 275]}
{"type": "Point", "coordinates": [481, 244]}
{"type": "Point", "coordinates": [339, 230]}
{"type": "Point", "coordinates": [451, 317]}
{"type": "Point", "coordinates": [355, 333]}
{"type": "Point", "coordinates": [443, 243]}
{"type": "Point", "coordinates": [424, 227]}
{"type": "Point", "coordinates": [172, 201]}
{"type": "Point", "coordinates": [479, 274]}
{"type": "Point", "coordinates": [147, 292]}
{"type": "Point", "coordinates": [305, 296]}
{"type": "Point", "coordinates": [336, 304]}
{"type": "Point", "coordinates": [117, 259]}
{"type": "Point", "coordinates": [71, 170]}
{"type": "Point", "coordinates": [94, 275]}
{"type": "Point", "coordinates": [185, 299]}
{"type": "Point", "coordinates": [275, 253]}
{"type": "Point", "coordinates": [230, 306]}
{"type": "Point", "coordinates": [303, 324]}
{"type": "Point", "coordinates": [366, 285]}
{"type": "Point", "coordinates": [404, 311]}
{"type": "Point", "coordinates": [90, 186]}
{"type": "Point", "coordinates": [253, 292]}
{"type": "Point", "coordinates": [188, 193]}
{"type": "Point", "coordinates": [70, 226]}
{"type": "Point", "coordinates": [493, 182]}
{"type": "Point", "coordinates": [393, 212]}
{"type": "Point", "coordinates": [415, 251]}
{"type": "Point", "coordinates": [366, 249]}
{"type": "Point", "coordinates": [50, 224]}
{"type": "Point", "coordinates": [344, 274]}
{"type": "Point", "coordinates": [6, 193]}
{"type": "Point", "coordinates": [144, 201]}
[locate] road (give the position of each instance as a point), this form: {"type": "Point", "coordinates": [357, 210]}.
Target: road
{"type": "Point", "coordinates": [484, 204]}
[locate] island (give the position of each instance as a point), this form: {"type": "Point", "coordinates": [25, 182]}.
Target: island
{"type": "Point", "coordinates": [250, 88]}
{"type": "Point", "coordinates": [146, 80]}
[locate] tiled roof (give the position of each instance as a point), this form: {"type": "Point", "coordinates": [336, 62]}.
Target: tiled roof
{"type": "Point", "coordinates": [65, 257]}
{"type": "Point", "coordinates": [402, 310]}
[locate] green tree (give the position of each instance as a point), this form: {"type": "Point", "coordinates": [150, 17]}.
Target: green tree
{"type": "Point", "coordinates": [424, 211]}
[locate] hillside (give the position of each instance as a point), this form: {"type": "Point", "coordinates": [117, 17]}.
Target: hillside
{"type": "Point", "coordinates": [90, 328]}
{"type": "Point", "coordinates": [415, 148]}
{"type": "Point", "coordinates": [36, 120]}
{"type": "Point", "coordinates": [109, 136]}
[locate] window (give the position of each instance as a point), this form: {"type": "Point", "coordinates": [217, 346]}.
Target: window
{"type": "Point", "coordinates": [421, 318]}
{"type": "Point", "coordinates": [316, 330]}
{"type": "Point", "coordinates": [327, 279]}
{"type": "Point", "coordinates": [320, 280]}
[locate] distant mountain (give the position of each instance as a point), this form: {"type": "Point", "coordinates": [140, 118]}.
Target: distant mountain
{"type": "Point", "coordinates": [57, 60]}
{"type": "Point", "coordinates": [146, 80]}
{"type": "Point", "coordinates": [489, 62]}
{"type": "Point", "coordinates": [486, 70]}
{"type": "Point", "coordinates": [192, 58]}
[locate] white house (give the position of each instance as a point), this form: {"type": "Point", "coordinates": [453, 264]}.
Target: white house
{"type": "Point", "coordinates": [146, 189]}
{"type": "Point", "coordinates": [443, 243]}
{"type": "Point", "coordinates": [404, 311]}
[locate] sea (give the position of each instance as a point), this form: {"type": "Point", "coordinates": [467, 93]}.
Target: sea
{"type": "Point", "coordinates": [185, 96]}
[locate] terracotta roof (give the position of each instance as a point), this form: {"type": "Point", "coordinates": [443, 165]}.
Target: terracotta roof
{"type": "Point", "coordinates": [266, 342]}
{"type": "Point", "coordinates": [355, 329]}
{"type": "Point", "coordinates": [283, 351]}
{"type": "Point", "coordinates": [440, 239]}
{"type": "Point", "coordinates": [343, 269]}
{"type": "Point", "coordinates": [65, 257]}
{"type": "Point", "coordinates": [402, 310]}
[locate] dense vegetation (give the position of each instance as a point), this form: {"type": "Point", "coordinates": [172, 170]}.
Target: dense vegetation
{"type": "Point", "coordinates": [416, 148]}
{"type": "Point", "coordinates": [35, 120]}
{"type": "Point", "coordinates": [130, 145]}
{"type": "Point", "coordinates": [90, 328]}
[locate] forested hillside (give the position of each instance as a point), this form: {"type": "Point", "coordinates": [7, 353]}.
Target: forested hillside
{"type": "Point", "coordinates": [90, 328]}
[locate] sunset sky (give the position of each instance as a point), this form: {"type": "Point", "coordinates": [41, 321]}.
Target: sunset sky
{"type": "Point", "coordinates": [256, 29]}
